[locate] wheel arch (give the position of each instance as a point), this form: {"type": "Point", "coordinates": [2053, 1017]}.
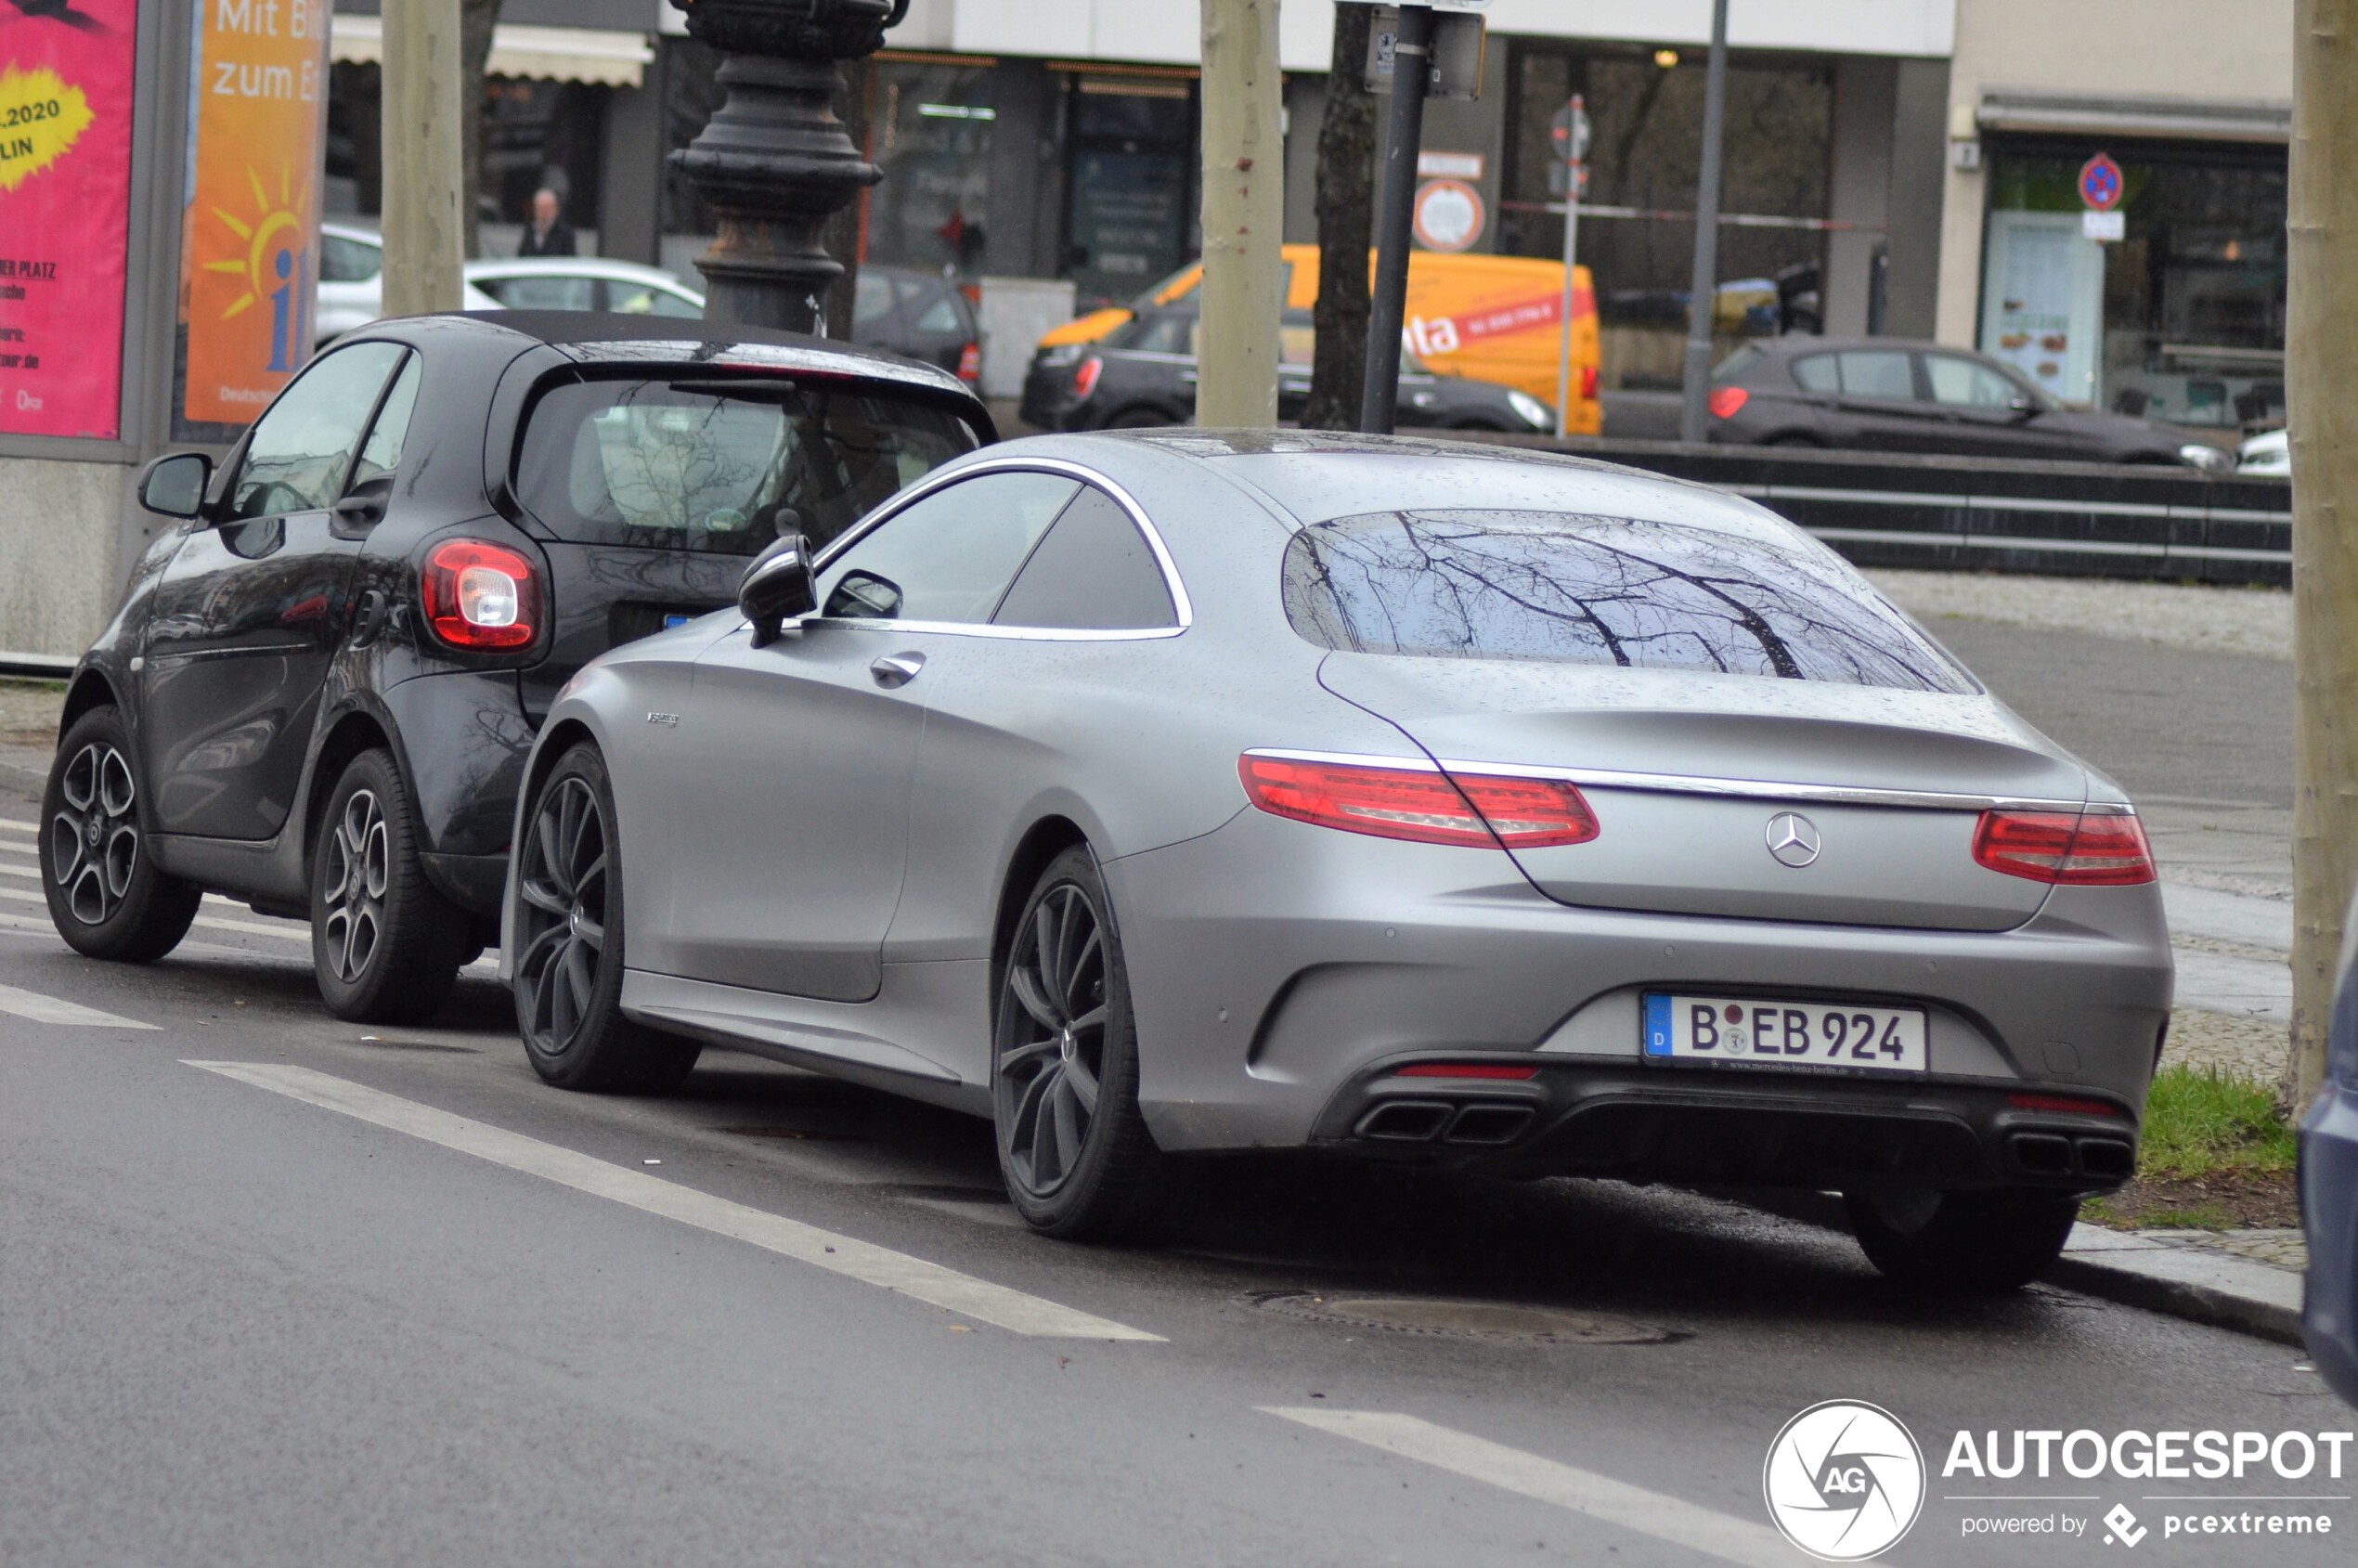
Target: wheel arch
{"type": "Point", "coordinates": [91, 688]}
{"type": "Point", "coordinates": [560, 738]}
{"type": "Point", "coordinates": [1042, 842]}
{"type": "Point", "coordinates": [352, 733]}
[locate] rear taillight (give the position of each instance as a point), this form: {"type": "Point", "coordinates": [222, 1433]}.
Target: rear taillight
{"type": "Point", "coordinates": [2063, 1105]}
{"type": "Point", "coordinates": [1589, 383]}
{"type": "Point", "coordinates": [1727, 401]}
{"type": "Point", "coordinates": [1084, 380]}
{"type": "Point", "coordinates": [1501, 1071]}
{"type": "Point", "coordinates": [1424, 807]}
{"type": "Point", "coordinates": [2072, 849]}
{"type": "Point", "coordinates": [481, 595]}
{"type": "Point", "coordinates": [970, 362]}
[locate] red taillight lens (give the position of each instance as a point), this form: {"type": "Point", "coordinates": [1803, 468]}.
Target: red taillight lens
{"type": "Point", "coordinates": [2068, 847]}
{"type": "Point", "coordinates": [481, 595]}
{"type": "Point", "coordinates": [1481, 810]}
{"type": "Point", "coordinates": [1469, 1069]}
{"type": "Point", "coordinates": [2065, 1105]}
{"type": "Point", "coordinates": [1727, 401]}
{"type": "Point", "coordinates": [1588, 383]}
{"type": "Point", "coordinates": [970, 362]}
{"type": "Point", "coordinates": [1084, 380]}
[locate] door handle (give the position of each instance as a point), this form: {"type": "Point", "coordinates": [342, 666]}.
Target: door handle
{"type": "Point", "coordinates": [895, 670]}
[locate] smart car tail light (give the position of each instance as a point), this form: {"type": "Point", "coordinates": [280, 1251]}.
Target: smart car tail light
{"type": "Point", "coordinates": [1423, 807]}
{"type": "Point", "coordinates": [481, 596]}
{"type": "Point", "coordinates": [2070, 848]}
{"type": "Point", "coordinates": [1727, 401]}
{"type": "Point", "coordinates": [1084, 380]}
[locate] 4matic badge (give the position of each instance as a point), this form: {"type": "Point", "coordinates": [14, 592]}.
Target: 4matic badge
{"type": "Point", "coordinates": [1843, 1480]}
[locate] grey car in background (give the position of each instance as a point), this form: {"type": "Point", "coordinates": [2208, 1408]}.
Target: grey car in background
{"type": "Point", "coordinates": [1195, 791]}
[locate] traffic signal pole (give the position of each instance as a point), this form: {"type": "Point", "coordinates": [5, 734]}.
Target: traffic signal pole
{"type": "Point", "coordinates": [1387, 314]}
{"type": "Point", "coordinates": [1573, 126]}
{"type": "Point", "coordinates": [1702, 299]}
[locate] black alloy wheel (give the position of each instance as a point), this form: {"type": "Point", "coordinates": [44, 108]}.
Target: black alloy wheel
{"type": "Point", "coordinates": [106, 897]}
{"type": "Point", "coordinates": [1074, 1149]}
{"type": "Point", "coordinates": [359, 872]}
{"type": "Point", "coordinates": [385, 946]}
{"type": "Point", "coordinates": [568, 926]}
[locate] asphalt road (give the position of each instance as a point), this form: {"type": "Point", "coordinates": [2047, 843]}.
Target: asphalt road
{"type": "Point", "coordinates": [335, 1299]}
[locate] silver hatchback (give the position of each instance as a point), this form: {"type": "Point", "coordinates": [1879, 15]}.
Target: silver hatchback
{"type": "Point", "coordinates": [1192, 791]}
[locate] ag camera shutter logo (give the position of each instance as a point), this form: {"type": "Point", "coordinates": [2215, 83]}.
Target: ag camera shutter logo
{"type": "Point", "coordinates": [1845, 1481]}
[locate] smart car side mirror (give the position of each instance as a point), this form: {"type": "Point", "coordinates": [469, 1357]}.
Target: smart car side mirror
{"type": "Point", "coordinates": [173, 486]}
{"type": "Point", "coordinates": [777, 588]}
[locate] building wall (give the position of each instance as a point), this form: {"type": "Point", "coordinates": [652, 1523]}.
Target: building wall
{"type": "Point", "coordinates": [2215, 50]}
{"type": "Point", "coordinates": [59, 531]}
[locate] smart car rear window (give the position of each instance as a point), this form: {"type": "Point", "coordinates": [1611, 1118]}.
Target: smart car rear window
{"type": "Point", "coordinates": [1571, 588]}
{"type": "Point", "coordinates": [707, 464]}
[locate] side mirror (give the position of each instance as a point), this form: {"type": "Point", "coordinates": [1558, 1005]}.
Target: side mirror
{"type": "Point", "coordinates": [2022, 408]}
{"type": "Point", "coordinates": [173, 486]}
{"type": "Point", "coordinates": [777, 588]}
{"type": "Point", "coordinates": [863, 596]}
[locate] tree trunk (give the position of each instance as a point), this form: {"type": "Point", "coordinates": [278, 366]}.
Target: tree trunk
{"type": "Point", "coordinates": [1244, 216]}
{"type": "Point", "coordinates": [423, 135]}
{"type": "Point", "coordinates": [478, 18]}
{"type": "Point", "coordinates": [2321, 337]}
{"type": "Point", "coordinates": [1346, 222]}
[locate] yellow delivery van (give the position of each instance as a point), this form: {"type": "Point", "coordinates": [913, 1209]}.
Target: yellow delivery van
{"type": "Point", "coordinates": [1491, 319]}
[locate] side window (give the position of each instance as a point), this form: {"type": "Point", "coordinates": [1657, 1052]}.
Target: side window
{"type": "Point", "coordinates": [300, 452]}
{"type": "Point", "coordinates": [1878, 373]}
{"type": "Point", "coordinates": [1960, 382]}
{"type": "Point", "coordinates": [871, 299]}
{"type": "Point", "coordinates": [949, 557]}
{"type": "Point", "coordinates": [644, 299]}
{"type": "Point", "coordinates": [381, 452]}
{"type": "Point", "coordinates": [941, 315]}
{"type": "Point", "coordinates": [542, 292]}
{"type": "Point", "coordinates": [1092, 573]}
{"type": "Point", "coordinates": [348, 261]}
{"type": "Point", "coordinates": [1818, 373]}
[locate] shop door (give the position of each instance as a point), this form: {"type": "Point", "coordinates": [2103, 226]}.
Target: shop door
{"type": "Point", "coordinates": [1129, 217]}
{"type": "Point", "coordinates": [2043, 301]}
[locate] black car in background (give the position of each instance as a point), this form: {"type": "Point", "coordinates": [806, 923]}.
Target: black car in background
{"type": "Point", "coordinates": [1144, 374]}
{"type": "Point", "coordinates": [1888, 395]}
{"type": "Point", "coordinates": [319, 690]}
{"type": "Point", "coordinates": [922, 315]}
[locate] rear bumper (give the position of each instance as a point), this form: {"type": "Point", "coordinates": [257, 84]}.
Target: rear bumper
{"type": "Point", "coordinates": [1279, 972]}
{"type": "Point", "coordinates": [2329, 1214]}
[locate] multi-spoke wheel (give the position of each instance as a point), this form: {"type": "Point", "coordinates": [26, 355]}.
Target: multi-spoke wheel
{"type": "Point", "coordinates": [385, 946]}
{"type": "Point", "coordinates": [1074, 1149]}
{"type": "Point", "coordinates": [105, 897]}
{"type": "Point", "coordinates": [566, 922]}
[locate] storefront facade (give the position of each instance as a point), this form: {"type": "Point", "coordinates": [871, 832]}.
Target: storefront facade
{"type": "Point", "coordinates": [2180, 315]}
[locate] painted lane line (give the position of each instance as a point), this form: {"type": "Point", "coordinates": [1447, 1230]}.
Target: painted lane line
{"type": "Point", "coordinates": [931, 1283]}
{"type": "Point", "coordinates": [1598, 1497]}
{"type": "Point", "coordinates": [10, 825]}
{"type": "Point", "coordinates": [56, 1010]}
{"type": "Point", "coordinates": [289, 931]}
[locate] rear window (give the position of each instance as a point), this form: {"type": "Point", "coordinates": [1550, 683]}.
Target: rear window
{"type": "Point", "coordinates": [1568, 589]}
{"type": "Point", "coordinates": [707, 464]}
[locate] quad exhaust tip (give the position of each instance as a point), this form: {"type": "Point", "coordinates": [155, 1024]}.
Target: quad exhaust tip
{"type": "Point", "coordinates": [1420, 1121]}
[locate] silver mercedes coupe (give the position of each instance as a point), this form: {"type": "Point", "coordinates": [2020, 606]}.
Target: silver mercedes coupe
{"type": "Point", "coordinates": [1178, 792]}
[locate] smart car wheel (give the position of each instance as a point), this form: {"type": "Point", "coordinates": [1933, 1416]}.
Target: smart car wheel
{"type": "Point", "coordinates": [1962, 1241]}
{"type": "Point", "coordinates": [568, 932]}
{"type": "Point", "coordinates": [1074, 1149]}
{"type": "Point", "coordinates": [385, 945]}
{"type": "Point", "coordinates": [107, 898]}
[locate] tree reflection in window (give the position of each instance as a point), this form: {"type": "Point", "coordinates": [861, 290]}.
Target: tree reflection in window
{"type": "Point", "coordinates": [1572, 588]}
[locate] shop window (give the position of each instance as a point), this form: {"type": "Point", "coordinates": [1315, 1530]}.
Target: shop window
{"type": "Point", "coordinates": [1130, 213]}
{"type": "Point", "coordinates": [932, 137]}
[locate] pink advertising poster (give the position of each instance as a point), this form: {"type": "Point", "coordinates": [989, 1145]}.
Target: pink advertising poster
{"type": "Point", "coordinates": [65, 203]}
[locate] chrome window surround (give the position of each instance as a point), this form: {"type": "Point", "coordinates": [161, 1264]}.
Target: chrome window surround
{"type": "Point", "coordinates": [1181, 605]}
{"type": "Point", "coordinates": [1738, 789]}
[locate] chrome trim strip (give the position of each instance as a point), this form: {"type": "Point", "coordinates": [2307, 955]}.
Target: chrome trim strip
{"type": "Point", "coordinates": [939, 479]}
{"type": "Point", "coordinates": [1741, 789]}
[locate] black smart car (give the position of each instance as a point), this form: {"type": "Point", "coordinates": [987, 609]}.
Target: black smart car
{"type": "Point", "coordinates": [1885, 394]}
{"type": "Point", "coordinates": [320, 688]}
{"type": "Point", "coordinates": [1144, 374]}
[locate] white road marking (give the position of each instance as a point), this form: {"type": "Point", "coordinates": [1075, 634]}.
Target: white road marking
{"type": "Point", "coordinates": [286, 930]}
{"type": "Point", "coordinates": [56, 1010]}
{"type": "Point", "coordinates": [1600, 1498]}
{"type": "Point", "coordinates": [931, 1283]}
{"type": "Point", "coordinates": [10, 825]}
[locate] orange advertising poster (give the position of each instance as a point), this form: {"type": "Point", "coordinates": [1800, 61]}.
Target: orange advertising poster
{"type": "Point", "coordinates": [251, 221]}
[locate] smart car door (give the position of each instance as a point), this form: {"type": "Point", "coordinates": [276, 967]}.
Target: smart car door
{"type": "Point", "coordinates": [791, 861]}
{"type": "Point", "coordinates": [253, 606]}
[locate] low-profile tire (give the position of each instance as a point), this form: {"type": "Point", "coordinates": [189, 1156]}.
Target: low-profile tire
{"type": "Point", "coordinates": [385, 946]}
{"type": "Point", "coordinates": [1074, 1151]}
{"type": "Point", "coordinates": [568, 922]}
{"type": "Point", "coordinates": [106, 896]}
{"type": "Point", "coordinates": [1964, 1242]}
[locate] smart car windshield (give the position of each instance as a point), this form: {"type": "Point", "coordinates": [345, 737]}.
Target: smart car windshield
{"type": "Point", "coordinates": [712, 464]}
{"type": "Point", "coordinates": [1597, 591]}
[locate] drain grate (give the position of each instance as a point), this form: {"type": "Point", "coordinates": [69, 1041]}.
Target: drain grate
{"type": "Point", "coordinates": [1438, 1318]}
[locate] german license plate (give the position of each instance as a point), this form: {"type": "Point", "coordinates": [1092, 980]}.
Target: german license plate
{"type": "Point", "coordinates": [1764, 1032]}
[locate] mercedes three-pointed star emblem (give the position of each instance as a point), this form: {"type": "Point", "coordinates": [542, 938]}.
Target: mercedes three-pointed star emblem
{"type": "Point", "coordinates": [1793, 839]}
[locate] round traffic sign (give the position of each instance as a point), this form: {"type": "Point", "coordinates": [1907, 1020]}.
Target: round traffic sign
{"type": "Point", "coordinates": [1448, 214]}
{"type": "Point", "coordinates": [2101, 183]}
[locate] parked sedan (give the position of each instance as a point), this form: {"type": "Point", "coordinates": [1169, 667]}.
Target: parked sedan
{"type": "Point", "coordinates": [920, 314]}
{"type": "Point", "coordinates": [1211, 790]}
{"type": "Point", "coordinates": [351, 291]}
{"type": "Point", "coordinates": [1144, 374]}
{"type": "Point", "coordinates": [318, 692]}
{"type": "Point", "coordinates": [1881, 395]}
{"type": "Point", "coordinates": [2329, 1190]}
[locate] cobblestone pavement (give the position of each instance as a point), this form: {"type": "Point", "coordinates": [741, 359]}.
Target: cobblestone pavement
{"type": "Point", "coordinates": [2278, 1248]}
{"type": "Point", "coordinates": [2253, 1049]}
{"type": "Point", "coordinates": [2210, 620]}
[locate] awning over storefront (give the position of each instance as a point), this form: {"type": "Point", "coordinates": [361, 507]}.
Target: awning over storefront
{"type": "Point", "coordinates": [2158, 119]}
{"type": "Point", "coordinates": [550, 54]}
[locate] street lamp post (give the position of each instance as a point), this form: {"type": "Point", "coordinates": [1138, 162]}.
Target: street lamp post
{"type": "Point", "coordinates": [775, 163]}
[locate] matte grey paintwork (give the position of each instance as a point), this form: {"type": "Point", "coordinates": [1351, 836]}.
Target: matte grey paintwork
{"type": "Point", "coordinates": [1271, 961]}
